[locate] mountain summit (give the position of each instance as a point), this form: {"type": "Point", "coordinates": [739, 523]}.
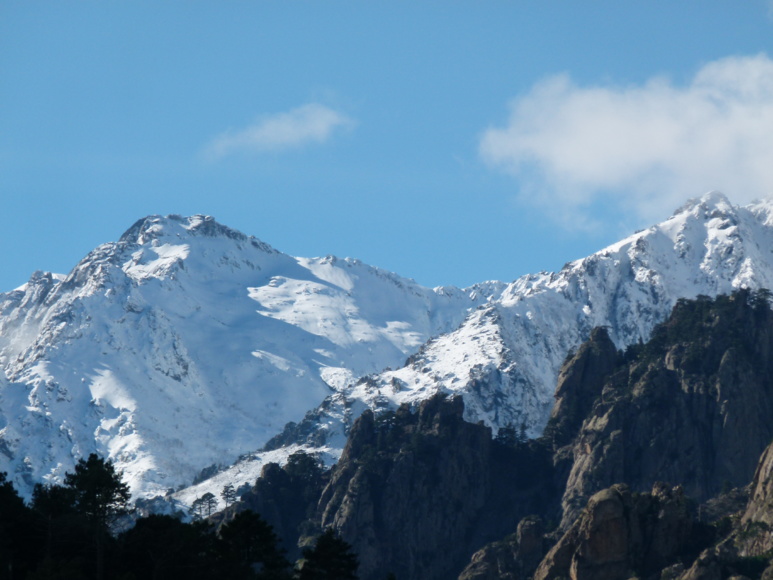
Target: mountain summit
{"type": "Point", "coordinates": [187, 344]}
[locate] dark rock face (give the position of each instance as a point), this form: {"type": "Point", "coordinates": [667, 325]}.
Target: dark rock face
{"type": "Point", "coordinates": [621, 535]}
{"type": "Point", "coordinates": [692, 406]}
{"type": "Point", "coordinates": [514, 558]}
{"type": "Point", "coordinates": [422, 494]}
{"type": "Point", "coordinates": [754, 536]}
{"type": "Point", "coordinates": [580, 383]}
{"type": "Point", "coordinates": [760, 507]}
{"type": "Point", "coordinates": [286, 497]}
{"type": "Point", "coordinates": [417, 494]}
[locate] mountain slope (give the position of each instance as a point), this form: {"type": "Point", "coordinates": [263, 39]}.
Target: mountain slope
{"type": "Point", "coordinates": [505, 357]}
{"type": "Point", "coordinates": [186, 343]}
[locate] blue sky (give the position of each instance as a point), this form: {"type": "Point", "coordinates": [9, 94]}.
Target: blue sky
{"type": "Point", "coordinates": [450, 142]}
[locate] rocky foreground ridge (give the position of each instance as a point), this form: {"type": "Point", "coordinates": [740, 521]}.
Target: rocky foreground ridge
{"type": "Point", "coordinates": [655, 464]}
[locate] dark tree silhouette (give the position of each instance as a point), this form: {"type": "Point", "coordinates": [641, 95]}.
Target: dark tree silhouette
{"type": "Point", "coordinates": [209, 502]}
{"type": "Point", "coordinates": [99, 491]}
{"type": "Point", "coordinates": [250, 549]}
{"type": "Point", "coordinates": [17, 545]}
{"type": "Point", "coordinates": [330, 559]}
{"type": "Point", "coordinates": [101, 496]}
{"type": "Point", "coordinates": [228, 494]}
{"type": "Point", "coordinates": [161, 546]}
{"type": "Point", "coordinates": [54, 506]}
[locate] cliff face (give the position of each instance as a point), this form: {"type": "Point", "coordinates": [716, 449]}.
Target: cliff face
{"type": "Point", "coordinates": [692, 406]}
{"type": "Point", "coordinates": [514, 558]}
{"type": "Point", "coordinates": [417, 494]}
{"type": "Point", "coordinates": [621, 535]}
{"type": "Point", "coordinates": [755, 533]}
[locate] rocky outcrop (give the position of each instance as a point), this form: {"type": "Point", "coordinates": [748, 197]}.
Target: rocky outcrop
{"type": "Point", "coordinates": [418, 494]}
{"type": "Point", "coordinates": [754, 536]}
{"type": "Point", "coordinates": [621, 535]}
{"type": "Point", "coordinates": [514, 558]}
{"type": "Point", "coordinates": [423, 493]}
{"type": "Point", "coordinates": [692, 406]}
{"type": "Point", "coordinates": [286, 497]}
{"type": "Point", "coordinates": [760, 508]}
{"type": "Point", "coordinates": [580, 384]}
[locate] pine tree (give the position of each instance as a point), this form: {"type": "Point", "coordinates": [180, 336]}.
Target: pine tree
{"type": "Point", "coordinates": [101, 496]}
{"type": "Point", "coordinates": [209, 502]}
{"type": "Point", "coordinates": [248, 543]}
{"type": "Point", "coordinates": [228, 494]}
{"type": "Point", "coordinates": [17, 545]}
{"type": "Point", "coordinates": [99, 491]}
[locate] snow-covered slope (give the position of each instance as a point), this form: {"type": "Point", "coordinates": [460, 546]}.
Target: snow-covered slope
{"type": "Point", "coordinates": [504, 358]}
{"type": "Point", "coordinates": [186, 344]}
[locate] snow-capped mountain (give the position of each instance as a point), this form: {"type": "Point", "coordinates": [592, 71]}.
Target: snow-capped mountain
{"type": "Point", "coordinates": [187, 344]}
{"type": "Point", "coordinates": [505, 357]}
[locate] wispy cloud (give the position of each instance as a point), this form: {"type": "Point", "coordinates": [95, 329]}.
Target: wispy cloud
{"type": "Point", "coordinates": [310, 123]}
{"type": "Point", "coordinates": [648, 147]}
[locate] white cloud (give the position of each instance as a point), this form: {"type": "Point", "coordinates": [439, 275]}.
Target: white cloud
{"type": "Point", "coordinates": [310, 123]}
{"type": "Point", "coordinates": [647, 147]}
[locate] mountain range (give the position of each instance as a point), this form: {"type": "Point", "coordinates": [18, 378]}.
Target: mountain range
{"type": "Point", "coordinates": [186, 344]}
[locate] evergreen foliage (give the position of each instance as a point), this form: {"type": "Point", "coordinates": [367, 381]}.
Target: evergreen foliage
{"type": "Point", "coordinates": [65, 534]}
{"type": "Point", "coordinates": [209, 503]}
{"type": "Point", "coordinates": [287, 497]}
{"type": "Point", "coordinates": [331, 558]}
{"type": "Point", "coordinates": [17, 535]}
{"type": "Point", "coordinates": [249, 548]}
{"type": "Point", "coordinates": [161, 546]}
{"type": "Point", "coordinates": [98, 491]}
{"type": "Point", "coordinates": [228, 494]}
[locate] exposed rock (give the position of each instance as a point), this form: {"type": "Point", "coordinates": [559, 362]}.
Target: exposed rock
{"type": "Point", "coordinates": [580, 383]}
{"type": "Point", "coordinates": [729, 504]}
{"type": "Point", "coordinates": [514, 558]}
{"type": "Point", "coordinates": [760, 508]}
{"type": "Point", "coordinates": [723, 562]}
{"type": "Point", "coordinates": [621, 535]}
{"type": "Point", "coordinates": [767, 574]}
{"type": "Point", "coordinates": [692, 406]}
{"type": "Point", "coordinates": [672, 572]}
{"type": "Point", "coordinates": [286, 497]}
{"type": "Point", "coordinates": [755, 533]}
{"type": "Point", "coordinates": [418, 494]}
{"type": "Point", "coordinates": [706, 567]}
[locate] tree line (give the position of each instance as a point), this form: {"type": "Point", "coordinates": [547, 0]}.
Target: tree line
{"type": "Point", "coordinates": [69, 532]}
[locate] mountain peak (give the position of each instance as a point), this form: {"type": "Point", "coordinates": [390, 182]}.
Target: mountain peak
{"type": "Point", "coordinates": [709, 203]}
{"type": "Point", "coordinates": [156, 227]}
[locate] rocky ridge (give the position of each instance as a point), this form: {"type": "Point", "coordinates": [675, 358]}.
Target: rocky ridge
{"type": "Point", "coordinates": [420, 493]}
{"type": "Point", "coordinates": [691, 406]}
{"type": "Point", "coordinates": [705, 371]}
